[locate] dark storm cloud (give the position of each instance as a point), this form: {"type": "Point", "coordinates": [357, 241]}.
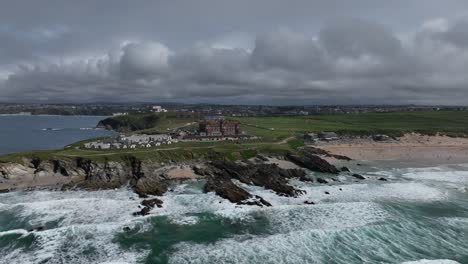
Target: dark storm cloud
{"type": "Point", "coordinates": [365, 51]}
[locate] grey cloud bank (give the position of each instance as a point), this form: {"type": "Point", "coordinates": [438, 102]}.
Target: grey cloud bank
{"type": "Point", "coordinates": [294, 57]}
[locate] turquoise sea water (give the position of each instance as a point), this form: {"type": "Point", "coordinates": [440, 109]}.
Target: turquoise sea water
{"type": "Point", "coordinates": [23, 133]}
{"type": "Point", "coordinates": [420, 213]}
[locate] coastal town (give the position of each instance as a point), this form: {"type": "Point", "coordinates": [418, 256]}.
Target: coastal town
{"type": "Point", "coordinates": [209, 129]}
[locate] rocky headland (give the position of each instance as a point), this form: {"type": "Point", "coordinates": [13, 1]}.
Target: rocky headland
{"type": "Point", "coordinates": [151, 179]}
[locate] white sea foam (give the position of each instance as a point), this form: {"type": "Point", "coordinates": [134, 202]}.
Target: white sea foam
{"type": "Point", "coordinates": [72, 208]}
{"type": "Point", "coordinates": [386, 243]}
{"type": "Point", "coordinates": [435, 261]}
{"type": "Point", "coordinates": [87, 222]}
{"type": "Point", "coordinates": [14, 231]}
{"type": "Point", "coordinates": [70, 243]}
{"type": "Point", "coordinates": [324, 216]}
{"type": "Point", "coordinates": [445, 176]}
{"type": "Point", "coordinates": [365, 192]}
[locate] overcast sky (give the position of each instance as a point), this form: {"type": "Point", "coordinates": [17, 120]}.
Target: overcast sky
{"type": "Point", "coordinates": [236, 51]}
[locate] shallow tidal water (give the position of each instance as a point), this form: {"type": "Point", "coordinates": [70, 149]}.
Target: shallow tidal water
{"type": "Point", "coordinates": [420, 213]}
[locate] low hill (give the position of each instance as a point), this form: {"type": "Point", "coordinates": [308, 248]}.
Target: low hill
{"type": "Point", "coordinates": [128, 123]}
{"type": "Point", "coordinates": [145, 123]}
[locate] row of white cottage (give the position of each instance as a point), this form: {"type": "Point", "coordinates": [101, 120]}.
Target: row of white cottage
{"type": "Point", "coordinates": [132, 142]}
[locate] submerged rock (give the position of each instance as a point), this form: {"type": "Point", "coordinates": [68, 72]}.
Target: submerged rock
{"type": "Point", "coordinates": [320, 180]}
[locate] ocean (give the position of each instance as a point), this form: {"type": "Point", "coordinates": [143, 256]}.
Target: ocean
{"type": "Point", "coordinates": [23, 133]}
{"type": "Point", "coordinates": [420, 215]}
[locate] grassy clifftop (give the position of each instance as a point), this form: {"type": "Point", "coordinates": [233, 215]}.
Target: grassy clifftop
{"type": "Point", "coordinates": [127, 123]}
{"type": "Point", "coordinates": [147, 122]}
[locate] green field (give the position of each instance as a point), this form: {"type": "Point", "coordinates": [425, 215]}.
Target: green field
{"type": "Point", "coordinates": [426, 122]}
{"type": "Point", "coordinates": [278, 135]}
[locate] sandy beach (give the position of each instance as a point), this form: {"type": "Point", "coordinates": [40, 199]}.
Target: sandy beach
{"type": "Point", "coordinates": [410, 146]}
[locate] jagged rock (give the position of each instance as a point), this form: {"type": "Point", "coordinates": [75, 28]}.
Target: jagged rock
{"type": "Point", "coordinates": [59, 168]}
{"type": "Point", "coordinates": [308, 202]}
{"type": "Point", "coordinates": [345, 169]}
{"type": "Point", "coordinates": [148, 205]}
{"type": "Point", "coordinates": [36, 162]}
{"type": "Point", "coordinates": [358, 176]}
{"type": "Point", "coordinates": [152, 202]}
{"type": "Point", "coordinates": [313, 162]}
{"type": "Point", "coordinates": [150, 186]}
{"type": "Point", "coordinates": [320, 180]}
{"type": "Point", "coordinates": [257, 200]}
{"type": "Point", "coordinates": [4, 190]}
{"type": "Point", "coordinates": [200, 171]}
{"type": "Point", "coordinates": [39, 228]}
{"type": "Point", "coordinates": [226, 189]}
{"type": "Point", "coordinates": [143, 212]}
{"type": "Point", "coordinates": [269, 176]}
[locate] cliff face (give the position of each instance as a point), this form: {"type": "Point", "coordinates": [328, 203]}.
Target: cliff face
{"type": "Point", "coordinates": [78, 172]}
{"type": "Point", "coordinates": [225, 178]}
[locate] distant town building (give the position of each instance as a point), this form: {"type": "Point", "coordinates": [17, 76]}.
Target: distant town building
{"type": "Point", "coordinates": [131, 141]}
{"type": "Point", "coordinates": [158, 109]}
{"type": "Point", "coordinates": [120, 114]}
{"type": "Point", "coordinates": [220, 128]}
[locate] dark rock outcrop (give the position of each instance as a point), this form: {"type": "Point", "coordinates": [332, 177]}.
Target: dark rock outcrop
{"type": "Point", "coordinates": [269, 176]}
{"type": "Point", "coordinates": [358, 176]}
{"type": "Point", "coordinates": [148, 205]}
{"type": "Point", "coordinates": [225, 188]}
{"type": "Point", "coordinates": [345, 169]}
{"type": "Point", "coordinates": [58, 167]}
{"type": "Point", "coordinates": [150, 186]}
{"type": "Point", "coordinates": [313, 163]}
{"type": "Point", "coordinates": [382, 179]}
{"type": "Point", "coordinates": [220, 176]}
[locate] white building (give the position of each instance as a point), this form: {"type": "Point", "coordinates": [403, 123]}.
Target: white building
{"type": "Point", "coordinates": [158, 109]}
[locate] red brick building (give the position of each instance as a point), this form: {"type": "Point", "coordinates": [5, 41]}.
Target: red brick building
{"type": "Point", "coordinates": [220, 128]}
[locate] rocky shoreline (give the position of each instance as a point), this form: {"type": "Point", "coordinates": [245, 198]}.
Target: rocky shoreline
{"type": "Point", "coordinates": [148, 179]}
